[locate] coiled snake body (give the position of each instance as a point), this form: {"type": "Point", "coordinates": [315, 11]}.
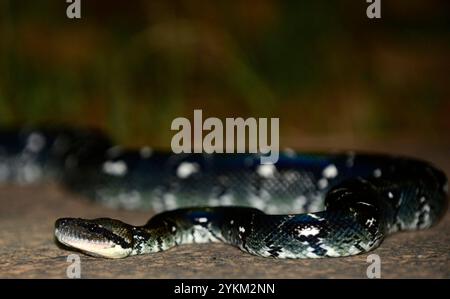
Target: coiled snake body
{"type": "Point", "coordinates": [304, 206]}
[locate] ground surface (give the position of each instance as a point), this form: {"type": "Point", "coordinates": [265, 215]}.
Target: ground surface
{"type": "Point", "coordinates": [28, 250]}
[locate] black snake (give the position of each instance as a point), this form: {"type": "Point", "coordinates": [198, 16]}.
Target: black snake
{"type": "Point", "coordinates": [317, 205]}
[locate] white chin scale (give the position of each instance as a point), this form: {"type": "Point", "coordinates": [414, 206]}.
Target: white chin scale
{"type": "Point", "coordinates": [94, 248]}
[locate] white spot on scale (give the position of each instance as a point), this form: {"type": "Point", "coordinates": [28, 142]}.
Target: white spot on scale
{"type": "Point", "coordinates": [316, 203]}
{"type": "Point", "coordinates": [390, 195]}
{"type": "Point", "coordinates": [186, 169]}
{"type": "Point", "coordinates": [201, 235]}
{"type": "Point", "coordinates": [330, 251]}
{"type": "Point", "coordinates": [323, 183]}
{"type": "Point", "coordinates": [157, 204]}
{"type": "Point", "coordinates": [256, 202]}
{"type": "Point", "coordinates": [426, 219]}
{"type": "Point", "coordinates": [213, 202]}
{"type": "Point", "coordinates": [174, 229]}
{"type": "Point", "coordinates": [202, 219]}
{"type": "Point", "coordinates": [312, 255]}
{"type": "Point", "coordinates": [283, 254]}
{"type": "Point", "coordinates": [266, 170]}
{"type": "Point", "coordinates": [226, 200]}
{"type": "Point", "coordinates": [315, 216]}
{"type": "Point", "coordinates": [264, 194]}
{"type": "Point", "coordinates": [299, 203]}
{"type": "Point", "coordinates": [146, 152]}
{"type": "Point", "coordinates": [308, 231]}
{"type": "Point", "coordinates": [370, 222]}
{"type": "Point", "coordinates": [115, 168]}
{"type": "Point", "coordinates": [231, 222]}
{"type": "Point", "coordinates": [241, 229]}
{"type": "Point", "coordinates": [422, 199]}
{"type": "Point", "coordinates": [353, 250]}
{"type": "Point", "coordinates": [29, 173]}
{"type": "Point", "coordinates": [330, 171]}
{"type": "Point", "coordinates": [377, 173]}
{"type": "Point", "coordinates": [170, 201]}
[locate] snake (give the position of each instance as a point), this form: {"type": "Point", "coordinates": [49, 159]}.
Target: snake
{"type": "Point", "coordinates": [306, 205]}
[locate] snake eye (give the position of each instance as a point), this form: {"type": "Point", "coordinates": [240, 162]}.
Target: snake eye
{"type": "Point", "coordinates": [98, 237]}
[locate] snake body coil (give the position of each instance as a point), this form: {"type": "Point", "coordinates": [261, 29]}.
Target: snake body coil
{"type": "Point", "coordinates": [304, 206]}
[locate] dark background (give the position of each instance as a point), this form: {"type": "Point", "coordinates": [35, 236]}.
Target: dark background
{"type": "Point", "coordinates": [322, 67]}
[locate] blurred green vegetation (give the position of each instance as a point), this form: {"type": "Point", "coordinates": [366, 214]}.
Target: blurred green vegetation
{"type": "Point", "coordinates": [322, 67]}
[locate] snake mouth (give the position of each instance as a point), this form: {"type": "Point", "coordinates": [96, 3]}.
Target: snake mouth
{"type": "Point", "coordinates": [102, 237]}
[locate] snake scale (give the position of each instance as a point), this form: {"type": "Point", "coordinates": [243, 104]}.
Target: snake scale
{"type": "Point", "coordinates": [307, 205]}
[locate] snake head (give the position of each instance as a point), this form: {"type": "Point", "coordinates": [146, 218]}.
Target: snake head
{"type": "Point", "coordinates": [102, 237]}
